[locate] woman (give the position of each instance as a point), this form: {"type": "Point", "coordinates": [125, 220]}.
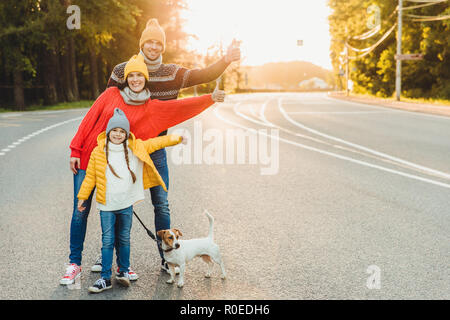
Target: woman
{"type": "Point", "coordinates": [147, 119]}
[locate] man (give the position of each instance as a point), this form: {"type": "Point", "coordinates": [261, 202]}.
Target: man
{"type": "Point", "coordinates": [166, 81]}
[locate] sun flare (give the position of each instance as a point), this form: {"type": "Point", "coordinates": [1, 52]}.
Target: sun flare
{"type": "Point", "coordinates": [269, 30]}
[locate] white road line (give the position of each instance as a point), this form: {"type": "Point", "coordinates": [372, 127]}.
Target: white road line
{"type": "Point", "coordinates": [337, 112]}
{"type": "Point", "coordinates": [363, 163]}
{"type": "Point", "coordinates": [35, 133]}
{"type": "Point", "coordinates": [271, 125]}
{"type": "Point", "coordinates": [357, 146]}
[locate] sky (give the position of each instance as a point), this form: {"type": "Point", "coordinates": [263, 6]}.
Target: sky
{"type": "Point", "coordinates": [268, 29]}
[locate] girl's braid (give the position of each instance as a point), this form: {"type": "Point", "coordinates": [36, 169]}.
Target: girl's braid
{"type": "Point", "coordinates": [125, 149]}
{"type": "Point", "coordinates": [107, 161]}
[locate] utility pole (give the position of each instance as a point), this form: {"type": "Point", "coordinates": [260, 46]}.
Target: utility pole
{"type": "Point", "coordinates": [398, 72]}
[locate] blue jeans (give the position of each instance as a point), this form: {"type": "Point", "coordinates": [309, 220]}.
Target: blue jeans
{"type": "Point", "coordinates": [79, 220]}
{"type": "Point", "coordinates": [159, 196]}
{"type": "Point", "coordinates": [116, 228]}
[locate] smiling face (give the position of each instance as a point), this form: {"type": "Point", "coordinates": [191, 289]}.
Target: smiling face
{"type": "Point", "coordinates": [170, 237]}
{"type": "Point", "coordinates": [152, 49]}
{"type": "Point", "coordinates": [117, 135]}
{"type": "Point", "coordinates": [136, 81]}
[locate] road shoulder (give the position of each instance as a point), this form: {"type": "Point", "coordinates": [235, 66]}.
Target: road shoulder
{"type": "Point", "coordinates": [436, 109]}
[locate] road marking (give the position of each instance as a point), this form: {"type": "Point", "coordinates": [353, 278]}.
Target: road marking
{"type": "Point", "coordinates": [337, 112]}
{"type": "Point", "coordinates": [35, 133]}
{"type": "Point", "coordinates": [357, 146]}
{"type": "Point", "coordinates": [370, 154]}
{"type": "Point", "coordinates": [271, 125]}
{"type": "Point", "coordinates": [363, 163]}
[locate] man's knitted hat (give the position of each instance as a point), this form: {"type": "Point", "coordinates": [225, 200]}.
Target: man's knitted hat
{"type": "Point", "coordinates": [136, 64]}
{"type": "Point", "coordinates": [153, 31]}
{"type": "Point", "coordinates": [118, 120]}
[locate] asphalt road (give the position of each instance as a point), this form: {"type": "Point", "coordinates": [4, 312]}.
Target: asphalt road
{"type": "Point", "coordinates": [326, 199]}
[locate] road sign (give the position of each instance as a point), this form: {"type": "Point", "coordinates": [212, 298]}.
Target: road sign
{"type": "Point", "coordinates": [411, 56]}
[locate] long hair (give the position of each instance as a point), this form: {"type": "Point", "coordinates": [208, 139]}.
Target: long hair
{"type": "Point", "coordinates": [125, 149]}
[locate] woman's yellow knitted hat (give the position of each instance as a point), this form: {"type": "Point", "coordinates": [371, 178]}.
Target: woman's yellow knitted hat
{"type": "Point", "coordinates": [153, 31]}
{"type": "Point", "coordinates": [136, 64]}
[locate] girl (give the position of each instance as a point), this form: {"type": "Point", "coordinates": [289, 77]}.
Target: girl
{"type": "Point", "coordinates": [120, 168]}
{"type": "Point", "coordinates": [148, 118]}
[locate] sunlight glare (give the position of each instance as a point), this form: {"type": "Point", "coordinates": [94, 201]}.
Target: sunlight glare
{"type": "Point", "coordinates": [269, 29]}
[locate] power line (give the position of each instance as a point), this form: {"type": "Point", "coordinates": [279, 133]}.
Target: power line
{"type": "Point", "coordinates": [424, 5]}
{"type": "Point", "coordinates": [427, 18]}
{"type": "Point", "coordinates": [371, 48]}
{"type": "Point", "coordinates": [427, 1]}
{"type": "Point", "coordinates": [373, 31]}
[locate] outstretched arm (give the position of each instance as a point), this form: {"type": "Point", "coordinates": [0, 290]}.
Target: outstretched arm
{"type": "Point", "coordinates": [153, 144]}
{"type": "Point", "coordinates": [212, 72]}
{"type": "Point", "coordinates": [163, 115]}
{"type": "Point", "coordinates": [166, 114]}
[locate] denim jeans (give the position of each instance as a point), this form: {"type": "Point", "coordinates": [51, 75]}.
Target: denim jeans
{"type": "Point", "coordinates": [79, 220]}
{"type": "Point", "coordinates": [116, 224]}
{"type": "Point", "coordinates": [159, 196]}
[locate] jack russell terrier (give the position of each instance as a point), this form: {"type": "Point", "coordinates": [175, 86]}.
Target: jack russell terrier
{"type": "Point", "coordinates": [179, 252]}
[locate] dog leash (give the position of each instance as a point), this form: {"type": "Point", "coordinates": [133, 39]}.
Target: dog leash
{"type": "Point", "coordinates": [151, 235]}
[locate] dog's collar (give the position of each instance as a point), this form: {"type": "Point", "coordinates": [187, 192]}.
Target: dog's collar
{"type": "Point", "coordinates": [168, 250]}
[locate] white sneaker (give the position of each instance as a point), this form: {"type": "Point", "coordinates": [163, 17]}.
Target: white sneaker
{"type": "Point", "coordinates": [97, 267]}
{"type": "Point", "coordinates": [131, 274]}
{"type": "Point", "coordinates": [123, 278]}
{"type": "Point", "coordinates": [73, 271]}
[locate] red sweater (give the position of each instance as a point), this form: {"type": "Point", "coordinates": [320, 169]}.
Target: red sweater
{"type": "Point", "coordinates": [146, 121]}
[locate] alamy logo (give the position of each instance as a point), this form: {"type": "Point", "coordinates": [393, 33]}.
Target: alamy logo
{"type": "Point", "coordinates": [74, 20]}
{"type": "Point", "coordinates": [374, 20]}
{"type": "Point", "coordinates": [374, 280]}
{"type": "Point", "coordinates": [234, 146]}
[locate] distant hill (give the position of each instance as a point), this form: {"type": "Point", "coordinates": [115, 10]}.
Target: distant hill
{"type": "Point", "coordinates": [284, 75]}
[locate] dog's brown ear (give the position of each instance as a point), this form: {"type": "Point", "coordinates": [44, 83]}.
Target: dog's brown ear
{"type": "Point", "coordinates": [178, 233]}
{"type": "Point", "coordinates": [160, 233]}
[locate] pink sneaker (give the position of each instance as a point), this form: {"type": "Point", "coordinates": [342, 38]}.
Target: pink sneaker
{"type": "Point", "coordinates": [73, 271]}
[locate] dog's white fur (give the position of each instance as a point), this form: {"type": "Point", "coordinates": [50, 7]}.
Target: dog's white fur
{"type": "Point", "coordinates": [182, 251]}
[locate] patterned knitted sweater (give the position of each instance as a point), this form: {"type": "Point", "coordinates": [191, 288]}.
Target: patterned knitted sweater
{"type": "Point", "coordinates": [166, 82]}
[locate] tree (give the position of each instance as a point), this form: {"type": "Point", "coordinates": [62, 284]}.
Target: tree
{"type": "Point", "coordinates": [375, 72]}
{"type": "Point", "coordinates": [42, 61]}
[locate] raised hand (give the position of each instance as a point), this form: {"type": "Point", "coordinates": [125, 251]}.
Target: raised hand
{"type": "Point", "coordinates": [218, 95]}
{"type": "Point", "coordinates": [233, 52]}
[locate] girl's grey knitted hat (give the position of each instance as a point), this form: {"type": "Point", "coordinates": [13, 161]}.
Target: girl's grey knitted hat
{"type": "Point", "coordinates": [118, 120]}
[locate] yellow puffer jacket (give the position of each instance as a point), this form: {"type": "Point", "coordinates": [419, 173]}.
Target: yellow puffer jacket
{"type": "Point", "coordinates": [96, 170]}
